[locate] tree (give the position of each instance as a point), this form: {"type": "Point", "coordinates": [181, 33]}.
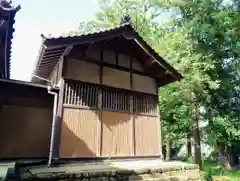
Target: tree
{"type": "Point", "coordinates": [213, 26]}
{"type": "Point", "coordinates": [177, 47]}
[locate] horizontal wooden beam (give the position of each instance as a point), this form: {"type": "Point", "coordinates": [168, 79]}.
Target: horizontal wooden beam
{"type": "Point", "coordinates": [78, 107]}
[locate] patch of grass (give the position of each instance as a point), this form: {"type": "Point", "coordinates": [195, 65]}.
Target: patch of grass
{"type": "Point", "coordinates": [218, 172]}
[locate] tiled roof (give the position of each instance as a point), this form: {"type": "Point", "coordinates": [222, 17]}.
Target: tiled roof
{"type": "Point", "coordinates": [75, 34]}
{"type": "Point", "coordinates": [7, 13]}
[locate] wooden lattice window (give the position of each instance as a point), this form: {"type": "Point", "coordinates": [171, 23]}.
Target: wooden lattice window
{"type": "Point", "coordinates": [115, 100]}
{"type": "Point", "coordinates": [82, 94]}
{"type": "Point", "coordinates": [146, 104]}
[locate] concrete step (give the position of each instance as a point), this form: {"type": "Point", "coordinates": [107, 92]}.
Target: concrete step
{"type": "Point", "coordinates": [135, 171]}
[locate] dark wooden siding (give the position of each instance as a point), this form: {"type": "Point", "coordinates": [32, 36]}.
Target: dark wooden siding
{"type": "Point", "coordinates": [25, 120]}
{"type": "Point", "coordinates": [25, 131]}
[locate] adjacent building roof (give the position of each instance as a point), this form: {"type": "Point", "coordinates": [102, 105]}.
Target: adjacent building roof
{"type": "Point", "coordinates": [15, 92]}
{"type": "Point", "coordinates": [26, 84]}
{"type": "Point", "coordinates": [53, 48]}
{"type": "Point", "coordinates": [7, 15]}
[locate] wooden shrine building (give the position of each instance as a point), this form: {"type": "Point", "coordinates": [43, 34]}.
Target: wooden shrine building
{"type": "Point", "coordinates": [108, 102]}
{"type": "Point", "coordinates": [106, 84]}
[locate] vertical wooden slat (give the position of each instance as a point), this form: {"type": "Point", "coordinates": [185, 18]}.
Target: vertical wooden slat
{"type": "Point", "coordinates": [87, 95]}
{"type": "Point", "coordinates": [112, 105]}
{"type": "Point", "coordinates": [117, 101]}
{"type": "Point", "coordinates": [72, 93]}
{"type": "Point", "coordinates": [124, 102]}
{"type": "Point", "coordinates": [91, 95]}
{"type": "Point", "coordinates": [78, 94]}
{"type": "Point", "coordinates": [65, 92]}
{"type": "Point", "coordinates": [75, 94]}
{"type": "Point", "coordinates": [69, 93]}
{"type": "Point", "coordinates": [96, 95]}
{"type": "Point", "coordinates": [81, 94]}
{"type": "Point", "coordinates": [121, 99]}
{"type": "Point", "coordinates": [112, 98]}
{"type": "Point", "coordinates": [106, 98]}
{"type": "Point", "coordinates": [109, 104]}
{"type": "Point", "coordinates": [151, 105]}
{"type": "Point", "coordinates": [145, 104]}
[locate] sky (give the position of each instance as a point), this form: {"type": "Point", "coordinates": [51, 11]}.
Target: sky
{"type": "Point", "coordinates": [46, 17]}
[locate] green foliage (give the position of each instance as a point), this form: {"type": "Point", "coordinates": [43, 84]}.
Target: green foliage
{"type": "Point", "coordinates": [217, 171]}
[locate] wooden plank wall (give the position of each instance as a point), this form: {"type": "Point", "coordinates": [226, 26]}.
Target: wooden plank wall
{"type": "Point", "coordinates": [25, 131]}
{"type": "Point", "coordinates": [116, 70]}
{"type": "Point", "coordinates": [146, 136]}
{"type": "Point", "coordinates": [78, 136]}
{"type": "Point", "coordinates": [98, 117]}
{"type": "Point", "coordinates": [116, 134]}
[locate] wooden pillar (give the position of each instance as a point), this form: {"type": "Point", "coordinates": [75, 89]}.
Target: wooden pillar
{"type": "Point", "coordinates": [159, 128]}
{"type": "Point", "coordinates": [132, 127]}
{"type": "Point", "coordinates": [63, 68]}
{"type": "Point", "coordinates": [100, 129]}
{"type": "Point", "coordinates": [56, 149]}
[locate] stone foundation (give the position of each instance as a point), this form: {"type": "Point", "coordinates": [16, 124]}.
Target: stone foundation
{"type": "Point", "coordinates": [163, 171]}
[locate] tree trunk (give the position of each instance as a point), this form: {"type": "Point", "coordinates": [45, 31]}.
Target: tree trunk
{"type": "Point", "coordinates": [189, 146]}
{"type": "Point", "coordinates": [196, 133]}
{"type": "Point", "coordinates": [223, 158]}
{"type": "Point", "coordinates": [168, 149]}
